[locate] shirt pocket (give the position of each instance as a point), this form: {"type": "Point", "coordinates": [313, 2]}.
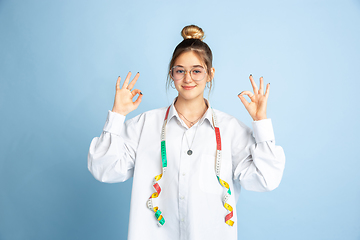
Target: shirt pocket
{"type": "Point", "coordinates": [207, 178]}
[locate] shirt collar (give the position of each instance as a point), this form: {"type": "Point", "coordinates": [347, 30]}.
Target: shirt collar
{"type": "Point", "coordinates": [207, 116]}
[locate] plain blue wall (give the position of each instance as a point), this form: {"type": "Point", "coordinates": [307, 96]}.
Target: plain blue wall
{"type": "Point", "coordinates": [59, 61]}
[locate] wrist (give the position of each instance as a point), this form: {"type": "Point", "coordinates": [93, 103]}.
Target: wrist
{"type": "Point", "coordinates": [119, 112]}
{"type": "Point", "coordinates": [259, 118]}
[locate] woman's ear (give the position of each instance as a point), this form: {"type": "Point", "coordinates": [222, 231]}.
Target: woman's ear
{"type": "Point", "coordinates": [212, 74]}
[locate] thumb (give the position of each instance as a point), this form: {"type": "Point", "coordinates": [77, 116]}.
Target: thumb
{"type": "Point", "coordinates": [243, 100]}
{"type": "Point", "coordinates": [138, 100]}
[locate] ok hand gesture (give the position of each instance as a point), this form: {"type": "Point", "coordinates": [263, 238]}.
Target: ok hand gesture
{"type": "Point", "coordinates": [257, 106]}
{"type": "Point", "coordinates": [123, 102]}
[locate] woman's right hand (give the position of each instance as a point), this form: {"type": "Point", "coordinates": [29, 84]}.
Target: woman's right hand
{"type": "Point", "coordinates": [123, 103]}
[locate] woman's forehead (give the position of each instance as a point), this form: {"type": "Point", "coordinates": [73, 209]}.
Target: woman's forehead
{"type": "Point", "coordinates": [188, 59]}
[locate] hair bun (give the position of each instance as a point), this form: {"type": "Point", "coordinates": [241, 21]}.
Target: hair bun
{"type": "Point", "coordinates": [192, 31]}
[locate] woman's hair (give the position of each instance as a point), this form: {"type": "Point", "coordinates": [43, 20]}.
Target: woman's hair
{"type": "Point", "coordinates": [193, 41]}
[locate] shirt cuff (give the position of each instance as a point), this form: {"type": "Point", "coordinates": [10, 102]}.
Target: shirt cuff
{"type": "Point", "coordinates": [114, 123]}
{"type": "Point", "coordinates": [263, 130]}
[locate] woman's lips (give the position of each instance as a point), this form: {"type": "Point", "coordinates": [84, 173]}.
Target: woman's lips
{"type": "Point", "coordinates": [188, 87]}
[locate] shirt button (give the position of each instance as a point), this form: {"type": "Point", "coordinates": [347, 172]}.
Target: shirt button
{"type": "Point", "coordinates": [184, 174]}
{"type": "Point", "coordinates": [182, 220]}
{"type": "Point", "coordinates": [182, 197]}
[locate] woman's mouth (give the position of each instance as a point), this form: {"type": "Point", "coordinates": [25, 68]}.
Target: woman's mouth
{"type": "Point", "coordinates": [188, 87]}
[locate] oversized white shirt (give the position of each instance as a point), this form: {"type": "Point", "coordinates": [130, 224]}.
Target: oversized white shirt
{"type": "Point", "coordinates": [191, 196]}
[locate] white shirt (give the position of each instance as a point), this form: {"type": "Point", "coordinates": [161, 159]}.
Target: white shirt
{"type": "Point", "coordinates": [191, 196]}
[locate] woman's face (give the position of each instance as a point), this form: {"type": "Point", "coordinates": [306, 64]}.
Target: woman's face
{"type": "Point", "coordinates": [188, 88]}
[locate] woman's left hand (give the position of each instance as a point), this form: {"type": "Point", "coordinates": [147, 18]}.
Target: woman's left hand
{"type": "Point", "coordinates": [257, 106]}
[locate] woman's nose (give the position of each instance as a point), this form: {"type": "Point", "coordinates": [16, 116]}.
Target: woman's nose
{"type": "Point", "coordinates": [187, 77]}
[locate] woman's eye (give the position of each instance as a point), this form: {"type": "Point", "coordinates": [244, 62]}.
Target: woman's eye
{"type": "Point", "coordinates": [180, 71]}
{"type": "Point", "coordinates": [197, 71]}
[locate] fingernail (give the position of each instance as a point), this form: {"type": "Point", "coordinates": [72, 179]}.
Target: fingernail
{"type": "Point", "coordinates": [250, 74]}
{"type": "Point", "coordinates": [137, 72]}
{"type": "Point", "coordinates": [141, 93]}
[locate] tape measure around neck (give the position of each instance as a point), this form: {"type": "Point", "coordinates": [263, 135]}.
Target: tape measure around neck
{"type": "Point", "coordinates": [156, 186]}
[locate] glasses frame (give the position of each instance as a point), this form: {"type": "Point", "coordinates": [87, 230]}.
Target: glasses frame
{"type": "Point", "coordinates": [187, 71]}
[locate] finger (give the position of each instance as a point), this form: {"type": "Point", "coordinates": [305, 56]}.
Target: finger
{"type": "Point", "coordinates": [267, 90]}
{"type": "Point", "coordinates": [261, 89]}
{"type": "Point", "coordinates": [249, 94]}
{"type": "Point", "coordinates": [244, 101]}
{"type": "Point", "coordinates": [126, 82]}
{"type": "Point", "coordinates": [132, 83]}
{"type": "Point", "coordinates": [118, 83]}
{"type": "Point", "coordinates": [135, 91]}
{"type": "Point", "coordinates": [255, 88]}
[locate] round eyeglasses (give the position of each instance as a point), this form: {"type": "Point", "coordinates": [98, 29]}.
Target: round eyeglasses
{"type": "Point", "coordinates": [196, 73]}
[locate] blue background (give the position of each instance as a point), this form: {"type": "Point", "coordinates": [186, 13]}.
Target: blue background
{"type": "Point", "coordinates": [59, 61]}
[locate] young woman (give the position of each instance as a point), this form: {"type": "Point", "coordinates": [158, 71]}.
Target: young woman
{"type": "Point", "coordinates": [188, 161]}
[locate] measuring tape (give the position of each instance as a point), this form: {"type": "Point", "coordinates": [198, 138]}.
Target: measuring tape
{"type": "Point", "coordinates": [158, 214]}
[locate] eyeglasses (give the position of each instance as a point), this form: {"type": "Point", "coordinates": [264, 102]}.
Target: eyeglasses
{"type": "Point", "coordinates": [196, 73]}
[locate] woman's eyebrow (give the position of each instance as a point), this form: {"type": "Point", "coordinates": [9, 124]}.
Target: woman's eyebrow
{"type": "Point", "coordinates": [190, 66]}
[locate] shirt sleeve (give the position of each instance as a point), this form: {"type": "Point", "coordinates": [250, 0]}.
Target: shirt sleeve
{"type": "Point", "coordinates": [111, 156]}
{"type": "Point", "coordinates": [259, 165]}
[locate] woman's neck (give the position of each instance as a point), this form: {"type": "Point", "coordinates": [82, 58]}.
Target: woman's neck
{"type": "Point", "coordinates": [190, 110]}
